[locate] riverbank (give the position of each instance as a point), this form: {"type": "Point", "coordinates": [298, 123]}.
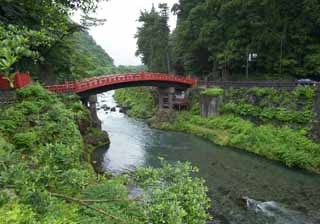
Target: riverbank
{"type": "Point", "coordinates": [281, 144]}
{"type": "Point", "coordinates": [277, 134]}
{"type": "Point", "coordinates": [232, 175]}
{"type": "Point", "coordinates": [46, 177]}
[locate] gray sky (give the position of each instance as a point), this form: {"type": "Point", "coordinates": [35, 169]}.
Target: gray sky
{"type": "Point", "coordinates": [116, 36]}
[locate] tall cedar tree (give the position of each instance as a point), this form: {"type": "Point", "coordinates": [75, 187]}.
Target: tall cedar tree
{"type": "Point", "coordinates": [153, 39]}
{"type": "Point", "coordinates": [215, 37]}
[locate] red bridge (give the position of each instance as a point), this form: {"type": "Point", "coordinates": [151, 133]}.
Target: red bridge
{"type": "Point", "coordinates": [90, 86]}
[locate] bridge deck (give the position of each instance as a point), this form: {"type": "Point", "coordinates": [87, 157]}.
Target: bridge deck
{"type": "Point", "coordinates": [109, 80]}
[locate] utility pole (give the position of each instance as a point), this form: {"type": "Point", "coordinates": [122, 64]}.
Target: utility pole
{"type": "Point", "coordinates": [168, 62]}
{"type": "Point", "coordinates": [247, 65]}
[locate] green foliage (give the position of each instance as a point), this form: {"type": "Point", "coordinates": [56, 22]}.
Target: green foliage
{"type": "Point", "coordinates": [268, 114]}
{"type": "Point", "coordinates": [284, 144]}
{"type": "Point", "coordinates": [124, 209]}
{"type": "Point", "coordinates": [16, 43]}
{"type": "Point", "coordinates": [141, 102]}
{"type": "Point", "coordinates": [153, 39]}
{"type": "Point", "coordinates": [213, 92]}
{"type": "Point", "coordinates": [25, 140]}
{"type": "Point", "coordinates": [34, 36]}
{"type": "Point", "coordinates": [304, 92]}
{"type": "Point", "coordinates": [41, 154]}
{"type": "Point", "coordinates": [280, 107]}
{"type": "Point", "coordinates": [35, 91]}
{"type": "Point", "coordinates": [215, 37]}
{"type": "Point", "coordinates": [195, 109]}
{"type": "Point", "coordinates": [16, 213]}
{"type": "Point", "coordinates": [82, 58]}
{"type": "Point", "coordinates": [173, 195]}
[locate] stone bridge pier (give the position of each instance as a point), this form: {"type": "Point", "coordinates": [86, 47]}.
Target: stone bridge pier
{"type": "Point", "coordinates": [166, 97]}
{"type": "Point", "coordinates": [171, 98]}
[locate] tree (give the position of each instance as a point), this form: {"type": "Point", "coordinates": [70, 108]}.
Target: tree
{"type": "Point", "coordinates": [216, 37]}
{"type": "Point", "coordinates": [34, 19]}
{"type": "Point", "coordinates": [16, 44]}
{"type": "Point", "coordinates": [153, 39]}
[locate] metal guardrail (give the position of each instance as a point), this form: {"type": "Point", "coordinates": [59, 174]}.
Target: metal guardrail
{"type": "Point", "coordinates": [251, 84]}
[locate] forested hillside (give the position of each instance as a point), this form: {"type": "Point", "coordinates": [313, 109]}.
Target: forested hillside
{"type": "Point", "coordinates": [234, 39]}
{"type": "Point", "coordinates": [42, 39]}
{"type": "Point", "coordinates": [217, 37]}
{"type": "Point", "coordinates": [89, 58]}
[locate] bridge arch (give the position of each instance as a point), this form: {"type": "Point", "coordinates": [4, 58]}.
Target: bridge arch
{"type": "Point", "coordinates": [100, 84]}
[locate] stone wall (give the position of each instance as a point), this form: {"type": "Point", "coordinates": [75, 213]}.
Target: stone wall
{"type": "Point", "coordinates": [210, 106]}
{"type": "Point", "coordinates": [298, 108]}
{"type": "Point", "coordinates": [316, 124]}
{"type": "Point", "coordinates": [7, 97]}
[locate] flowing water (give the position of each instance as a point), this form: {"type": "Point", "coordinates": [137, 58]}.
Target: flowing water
{"type": "Point", "coordinates": [244, 188]}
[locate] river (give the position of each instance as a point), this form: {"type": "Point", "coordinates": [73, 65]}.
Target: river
{"type": "Point", "coordinates": [244, 188]}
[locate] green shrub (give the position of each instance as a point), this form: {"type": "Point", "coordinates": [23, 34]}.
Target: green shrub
{"type": "Point", "coordinates": [213, 92]}
{"type": "Point", "coordinates": [262, 91]}
{"type": "Point", "coordinates": [16, 213]}
{"type": "Point", "coordinates": [29, 107]}
{"type": "Point", "coordinates": [140, 101]}
{"type": "Point", "coordinates": [195, 109]}
{"type": "Point", "coordinates": [304, 91]}
{"type": "Point", "coordinates": [174, 196]}
{"type": "Point", "coordinates": [34, 91]}
{"type": "Point", "coordinates": [25, 140]}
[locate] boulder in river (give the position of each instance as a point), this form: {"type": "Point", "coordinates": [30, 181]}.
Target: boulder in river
{"type": "Point", "coordinates": [113, 109]}
{"type": "Point", "coordinates": [105, 107]}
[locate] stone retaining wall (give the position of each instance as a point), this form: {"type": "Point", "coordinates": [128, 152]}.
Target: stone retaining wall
{"type": "Point", "coordinates": [7, 97]}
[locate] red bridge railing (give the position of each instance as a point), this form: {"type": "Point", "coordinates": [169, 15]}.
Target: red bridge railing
{"type": "Point", "coordinates": [100, 81]}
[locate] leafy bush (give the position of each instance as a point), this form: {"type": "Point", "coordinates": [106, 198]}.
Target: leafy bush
{"type": "Point", "coordinates": [25, 140]}
{"type": "Point", "coordinates": [141, 102]}
{"type": "Point", "coordinates": [213, 92]}
{"type": "Point", "coordinates": [36, 91]}
{"type": "Point", "coordinates": [304, 91]}
{"type": "Point", "coordinates": [16, 213]}
{"type": "Point", "coordinates": [173, 196]}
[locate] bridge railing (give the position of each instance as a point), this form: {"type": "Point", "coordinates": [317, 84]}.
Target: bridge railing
{"type": "Point", "coordinates": [113, 79]}
{"type": "Point", "coordinates": [96, 82]}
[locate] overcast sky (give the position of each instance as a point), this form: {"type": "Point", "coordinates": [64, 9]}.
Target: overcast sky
{"type": "Point", "coordinates": [116, 36]}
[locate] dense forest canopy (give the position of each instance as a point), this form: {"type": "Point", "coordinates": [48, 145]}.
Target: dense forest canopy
{"type": "Point", "coordinates": [82, 57]}
{"type": "Point", "coordinates": [234, 39]}
{"type": "Point", "coordinates": [39, 36]}
{"type": "Point", "coordinates": [153, 39]}
{"type": "Point", "coordinates": [218, 37]}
